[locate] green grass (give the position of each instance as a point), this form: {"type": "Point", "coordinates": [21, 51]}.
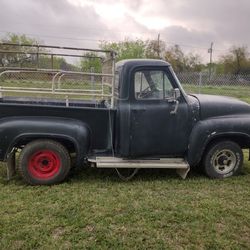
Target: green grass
{"type": "Point", "coordinates": [239, 92]}
{"type": "Point", "coordinates": [157, 210]}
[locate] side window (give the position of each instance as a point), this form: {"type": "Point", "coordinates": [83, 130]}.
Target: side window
{"type": "Point", "coordinates": [152, 84]}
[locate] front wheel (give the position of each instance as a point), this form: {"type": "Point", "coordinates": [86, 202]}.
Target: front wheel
{"type": "Point", "coordinates": [223, 159]}
{"type": "Point", "coordinates": [44, 162]}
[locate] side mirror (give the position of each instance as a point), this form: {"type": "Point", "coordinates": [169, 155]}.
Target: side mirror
{"type": "Point", "coordinates": [176, 93]}
{"type": "Point", "coordinates": [176, 96]}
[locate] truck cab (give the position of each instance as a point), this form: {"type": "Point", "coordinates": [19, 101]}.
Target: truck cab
{"type": "Point", "coordinates": [148, 121]}
{"type": "Point", "coordinates": [152, 111]}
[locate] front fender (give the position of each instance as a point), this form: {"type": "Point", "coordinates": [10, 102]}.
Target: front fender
{"type": "Point", "coordinates": [207, 130]}
{"type": "Point", "coordinates": [16, 129]}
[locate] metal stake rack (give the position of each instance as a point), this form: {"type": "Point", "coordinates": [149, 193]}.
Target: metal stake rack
{"type": "Point", "coordinates": [21, 72]}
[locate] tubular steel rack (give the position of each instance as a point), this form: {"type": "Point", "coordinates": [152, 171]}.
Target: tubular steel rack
{"type": "Point", "coordinates": [32, 80]}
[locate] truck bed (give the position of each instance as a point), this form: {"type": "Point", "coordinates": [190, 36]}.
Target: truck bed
{"type": "Point", "coordinates": [95, 114]}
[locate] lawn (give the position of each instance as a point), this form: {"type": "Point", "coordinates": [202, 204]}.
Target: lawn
{"type": "Point", "coordinates": [157, 210]}
{"type": "Point", "coordinates": [93, 209]}
{"type": "Point", "coordinates": [240, 92]}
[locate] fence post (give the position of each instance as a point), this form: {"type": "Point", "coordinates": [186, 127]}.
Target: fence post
{"type": "Point", "coordinates": [52, 61]}
{"type": "Point", "coordinates": [200, 82]}
{"type": "Point", "coordinates": [92, 80]}
{"type": "Point", "coordinates": [37, 57]}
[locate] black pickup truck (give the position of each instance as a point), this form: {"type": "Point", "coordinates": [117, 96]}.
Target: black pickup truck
{"type": "Point", "coordinates": [153, 123]}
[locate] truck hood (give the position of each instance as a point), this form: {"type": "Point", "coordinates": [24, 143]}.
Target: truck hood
{"type": "Point", "coordinates": [215, 106]}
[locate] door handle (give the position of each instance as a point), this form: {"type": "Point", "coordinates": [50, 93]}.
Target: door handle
{"type": "Point", "coordinates": [174, 112]}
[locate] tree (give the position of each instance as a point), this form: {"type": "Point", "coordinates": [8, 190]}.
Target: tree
{"type": "Point", "coordinates": [127, 49]}
{"type": "Point", "coordinates": [19, 55]}
{"type": "Point", "coordinates": [193, 62]}
{"type": "Point", "coordinates": [181, 61]}
{"type": "Point", "coordinates": [175, 56]}
{"type": "Point", "coordinates": [237, 61]}
{"type": "Point", "coordinates": [25, 56]}
{"type": "Point", "coordinates": [91, 61]}
{"type": "Point", "coordinates": [45, 62]}
{"type": "Point", "coordinates": [155, 49]}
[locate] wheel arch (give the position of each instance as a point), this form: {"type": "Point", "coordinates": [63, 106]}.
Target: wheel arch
{"type": "Point", "coordinates": [68, 142]}
{"type": "Point", "coordinates": [72, 134]}
{"type": "Point", "coordinates": [208, 132]}
{"type": "Point", "coordinates": [241, 139]}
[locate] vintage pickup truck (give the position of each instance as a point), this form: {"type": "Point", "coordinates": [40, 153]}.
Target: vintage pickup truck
{"type": "Point", "coordinates": [150, 123]}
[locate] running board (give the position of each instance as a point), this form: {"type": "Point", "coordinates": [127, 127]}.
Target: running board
{"type": "Point", "coordinates": [181, 166]}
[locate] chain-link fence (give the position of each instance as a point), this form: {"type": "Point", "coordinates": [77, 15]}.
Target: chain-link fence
{"type": "Point", "coordinates": [48, 84]}
{"type": "Point", "coordinates": [21, 78]}
{"type": "Point", "coordinates": [77, 72]}
{"type": "Point", "coordinates": [57, 83]}
{"type": "Point", "coordinates": [216, 84]}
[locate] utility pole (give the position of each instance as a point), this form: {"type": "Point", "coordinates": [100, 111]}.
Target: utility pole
{"type": "Point", "coordinates": [210, 51]}
{"type": "Point", "coordinates": [158, 45]}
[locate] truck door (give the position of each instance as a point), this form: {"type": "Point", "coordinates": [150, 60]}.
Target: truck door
{"type": "Point", "coordinates": [154, 130]}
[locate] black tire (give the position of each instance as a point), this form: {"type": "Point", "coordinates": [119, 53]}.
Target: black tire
{"type": "Point", "coordinates": [223, 159]}
{"type": "Point", "coordinates": [44, 162]}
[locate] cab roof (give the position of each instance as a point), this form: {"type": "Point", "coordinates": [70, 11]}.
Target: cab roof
{"type": "Point", "coordinates": [142, 62]}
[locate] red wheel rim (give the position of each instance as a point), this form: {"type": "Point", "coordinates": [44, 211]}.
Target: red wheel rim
{"type": "Point", "coordinates": [44, 164]}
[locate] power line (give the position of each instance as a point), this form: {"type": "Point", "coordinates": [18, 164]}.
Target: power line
{"type": "Point", "coordinates": [99, 40]}
{"type": "Point", "coordinates": [55, 37]}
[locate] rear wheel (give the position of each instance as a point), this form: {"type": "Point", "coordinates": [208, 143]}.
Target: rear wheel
{"type": "Point", "coordinates": [223, 159]}
{"type": "Point", "coordinates": [44, 162]}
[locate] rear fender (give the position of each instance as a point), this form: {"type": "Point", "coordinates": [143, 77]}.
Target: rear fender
{"type": "Point", "coordinates": [15, 130]}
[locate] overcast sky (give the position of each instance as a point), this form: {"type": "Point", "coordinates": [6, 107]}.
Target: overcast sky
{"type": "Point", "coordinates": [193, 24]}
